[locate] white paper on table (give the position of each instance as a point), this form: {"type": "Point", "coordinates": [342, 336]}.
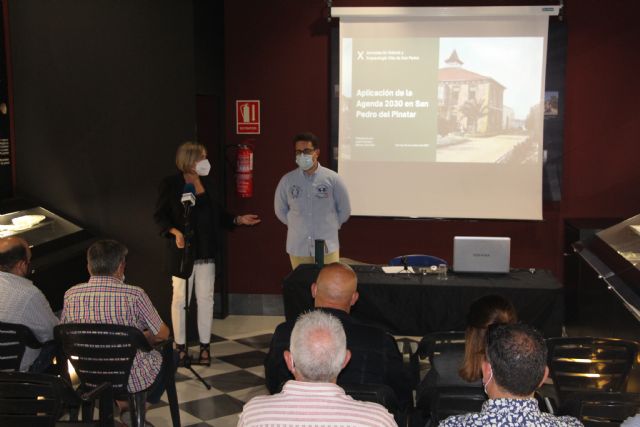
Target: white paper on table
{"type": "Point", "coordinates": [392, 269]}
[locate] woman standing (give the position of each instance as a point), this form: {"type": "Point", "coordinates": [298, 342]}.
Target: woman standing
{"type": "Point", "coordinates": [204, 217]}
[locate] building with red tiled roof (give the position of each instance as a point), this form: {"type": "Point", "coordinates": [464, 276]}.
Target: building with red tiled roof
{"type": "Point", "coordinates": [468, 102]}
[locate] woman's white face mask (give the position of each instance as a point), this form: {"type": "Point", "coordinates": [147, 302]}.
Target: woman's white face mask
{"type": "Point", "coordinates": [203, 167]}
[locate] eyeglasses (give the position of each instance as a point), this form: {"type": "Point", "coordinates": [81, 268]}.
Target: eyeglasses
{"type": "Point", "coordinates": [307, 151]}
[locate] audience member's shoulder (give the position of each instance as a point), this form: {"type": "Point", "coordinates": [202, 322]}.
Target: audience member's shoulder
{"type": "Point", "coordinates": [136, 290]}
{"type": "Point", "coordinates": [373, 408]}
{"type": "Point", "coordinates": [370, 330]}
{"type": "Point", "coordinates": [632, 421]}
{"type": "Point", "coordinates": [460, 420]}
{"type": "Point", "coordinates": [565, 421]}
{"type": "Point", "coordinates": [76, 288]}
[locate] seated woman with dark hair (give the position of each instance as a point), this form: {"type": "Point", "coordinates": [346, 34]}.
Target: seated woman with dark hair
{"type": "Point", "coordinates": [460, 365]}
{"type": "Point", "coordinates": [484, 312]}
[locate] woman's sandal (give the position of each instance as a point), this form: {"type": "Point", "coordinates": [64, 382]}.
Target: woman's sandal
{"type": "Point", "coordinates": [182, 354]}
{"type": "Point", "coordinates": [205, 355]}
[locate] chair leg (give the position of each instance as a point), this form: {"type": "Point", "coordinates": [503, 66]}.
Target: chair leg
{"type": "Point", "coordinates": [87, 411]}
{"type": "Point", "coordinates": [141, 409]}
{"type": "Point", "coordinates": [133, 411]}
{"type": "Point", "coordinates": [106, 408]}
{"type": "Point", "coordinates": [172, 396]}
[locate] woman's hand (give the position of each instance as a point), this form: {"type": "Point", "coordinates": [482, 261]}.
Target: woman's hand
{"type": "Point", "coordinates": [248, 219]}
{"type": "Point", "coordinates": [179, 237]}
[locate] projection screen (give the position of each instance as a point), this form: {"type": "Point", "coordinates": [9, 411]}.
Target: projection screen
{"type": "Point", "coordinates": [441, 110]}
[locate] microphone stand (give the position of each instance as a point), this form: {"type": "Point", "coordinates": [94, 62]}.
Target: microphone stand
{"type": "Point", "coordinates": [405, 264]}
{"type": "Point", "coordinates": [184, 261]}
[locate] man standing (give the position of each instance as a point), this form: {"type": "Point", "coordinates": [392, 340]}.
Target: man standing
{"type": "Point", "coordinates": [23, 303]}
{"type": "Point", "coordinates": [515, 366]}
{"type": "Point", "coordinates": [375, 358]}
{"type": "Point", "coordinates": [318, 352]}
{"type": "Point", "coordinates": [313, 203]}
{"type": "Point", "coordinates": [107, 299]}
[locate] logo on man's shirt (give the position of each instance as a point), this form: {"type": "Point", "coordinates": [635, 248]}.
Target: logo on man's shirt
{"type": "Point", "coordinates": [322, 191]}
{"type": "Point", "coordinates": [295, 191]}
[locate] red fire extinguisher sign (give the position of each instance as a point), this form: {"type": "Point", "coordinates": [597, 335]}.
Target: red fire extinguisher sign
{"type": "Point", "coordinates": [247, 117]}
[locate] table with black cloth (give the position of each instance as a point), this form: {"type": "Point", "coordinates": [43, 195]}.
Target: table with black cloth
{"type": "Point", "coordinates": [416, 304]}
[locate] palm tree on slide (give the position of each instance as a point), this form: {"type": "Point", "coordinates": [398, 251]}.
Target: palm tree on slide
{"type": "Point", "coordinates": [473, 110]}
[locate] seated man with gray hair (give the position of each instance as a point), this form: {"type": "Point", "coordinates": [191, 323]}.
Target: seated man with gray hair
{"type": "Point", "coordinates": [107, 299]}
{"type": "Point", "coordinates": [317, 353]}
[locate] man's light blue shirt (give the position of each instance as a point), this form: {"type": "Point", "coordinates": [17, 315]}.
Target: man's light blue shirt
{"type": "Point", "coordinates": [312, 207]}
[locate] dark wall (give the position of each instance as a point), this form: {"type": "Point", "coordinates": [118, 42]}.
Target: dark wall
{"type": "Point", "coordinates": [279, 53]}
{"type": "Point", "coordinates": [104, 92]}
{"type": "Point", "coordinates": [602, 124]}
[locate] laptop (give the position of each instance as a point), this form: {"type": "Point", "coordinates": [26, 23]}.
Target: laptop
{"type": "Point", "coordinates": [481, 254]}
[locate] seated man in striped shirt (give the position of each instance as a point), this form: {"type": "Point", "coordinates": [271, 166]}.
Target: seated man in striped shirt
{"type": "Point", "coordinates": [107, 299]}
{"type": "Point", "coordinates": [317, 353]}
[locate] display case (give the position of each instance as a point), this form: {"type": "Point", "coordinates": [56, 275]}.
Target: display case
{"type": "Point", "coordinates": [58, 246]}
{"type": "Point", "coordinates": [614, 255]}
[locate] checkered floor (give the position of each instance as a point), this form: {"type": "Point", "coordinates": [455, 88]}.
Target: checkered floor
{"type": "Point", "coordinates": [236, 374]}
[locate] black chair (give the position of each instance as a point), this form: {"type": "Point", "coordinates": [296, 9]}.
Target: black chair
{"type": "Point", "coordinates": [454, 400]}
{"type": "Point", "coordinates": [445, 351]}
{"type": "Point", "coordinates": [604, 408]}
{"type": "Point", "coordinates": [104, 353]}
{"type": "Point", "coordinates": [39, 400]}
{"type": "Point", "coordinates": [377, 393]}
{"type": "Point", "coordinates": [442, 392]}
{"type": "Point", "coordinates": [417, 260]}
{"type": "Point", "coordinates": [14, 339]}
{"type": "Point", "coordinates": [587, 364]}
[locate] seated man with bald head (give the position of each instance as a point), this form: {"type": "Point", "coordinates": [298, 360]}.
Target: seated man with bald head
{"type": "Point", "coordinates": [23, 303]}
{"type": "Point", "coordinates": [375, 358]}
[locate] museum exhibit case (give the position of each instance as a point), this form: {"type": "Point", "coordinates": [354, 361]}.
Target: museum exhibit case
{"type": "Point", "coordinates": [58, 246]}
{"type": "Point", "coordinates": [613, 299]}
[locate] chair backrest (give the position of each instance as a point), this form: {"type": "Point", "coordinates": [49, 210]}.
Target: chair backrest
{"type": "Point", "coordinates": [38, 400]}
{"type": "Point", "coordinates": [101, 353]}
{"type": "Point", "coordinates": [417, 260]}
{"type": "Point", "coordinates": [14, 338]}
{"type": "Point", "coordinates": [28, 399]}
{"type": "Point", "coordinates": [447, 401]}
{"type": "Point", "coordinates": [445, 351]}
{"type": "Point", "coordinates": [445, 393]}
{"type": "Point", "coordinates": [579, 364]}
{"type": "Point", "coordinates": [607, 409]}
{"type": "Point", "coordinates": [378, 393]}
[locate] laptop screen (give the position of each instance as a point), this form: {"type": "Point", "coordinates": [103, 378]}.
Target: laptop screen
{"type": "Point", "coordinates": [481, 254]}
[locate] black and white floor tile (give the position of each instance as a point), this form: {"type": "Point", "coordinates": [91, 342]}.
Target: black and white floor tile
{"type": "Point", "coordinates": [239, 345]}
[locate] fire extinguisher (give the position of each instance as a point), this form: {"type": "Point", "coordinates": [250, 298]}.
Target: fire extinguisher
{"type": "Point", "coordinates": [244, 169]}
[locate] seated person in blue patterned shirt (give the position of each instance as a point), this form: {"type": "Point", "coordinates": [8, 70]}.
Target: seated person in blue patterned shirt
{"type": "Point", "coordinates": [514, 367]}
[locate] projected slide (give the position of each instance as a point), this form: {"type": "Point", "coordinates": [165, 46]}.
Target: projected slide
{"type": "Point", "coordinates": [441, 116]}
{"type": "Point", "coordinates": [441, 99]}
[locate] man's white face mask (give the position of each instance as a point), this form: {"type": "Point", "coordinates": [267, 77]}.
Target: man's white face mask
{"type": "Point", "coordinates": [305, 161]}
{"type": "Point", "coordinates": [488, 381]}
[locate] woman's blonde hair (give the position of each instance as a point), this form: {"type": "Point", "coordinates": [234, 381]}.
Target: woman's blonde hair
{"type": "Point", "coordinates": [188, 154]}
{"type": "Point", "coordinates": [484, 312]}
